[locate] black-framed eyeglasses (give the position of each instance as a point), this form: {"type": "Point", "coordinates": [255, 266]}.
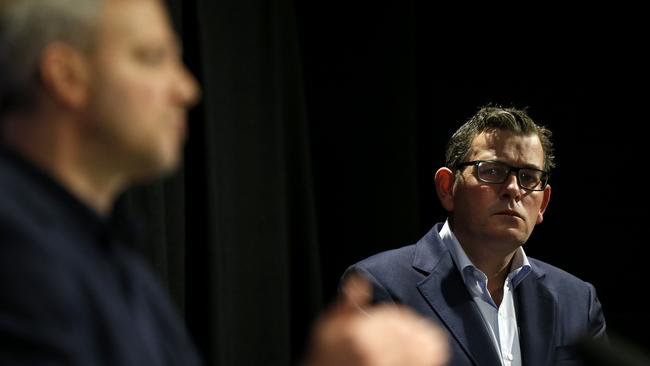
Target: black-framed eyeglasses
{"type": "Point", "coordinates": [496, 172]}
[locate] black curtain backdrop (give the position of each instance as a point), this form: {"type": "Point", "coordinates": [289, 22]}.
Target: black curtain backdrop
{"type": "Point", "coordinates": [234, 234]}
{"type": "Point", "coordinates": [318, 135]}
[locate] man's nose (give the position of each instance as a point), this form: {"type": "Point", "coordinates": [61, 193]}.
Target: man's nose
{"type": "Point", "coordinates": [510, 188]}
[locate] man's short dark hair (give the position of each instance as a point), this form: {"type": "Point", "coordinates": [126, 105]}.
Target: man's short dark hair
{"type": "Point", "coordinates": [491, 118]}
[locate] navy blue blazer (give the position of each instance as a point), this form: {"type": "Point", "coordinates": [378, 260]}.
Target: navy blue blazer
{"type": "Point", "coordinates": [555, 309]}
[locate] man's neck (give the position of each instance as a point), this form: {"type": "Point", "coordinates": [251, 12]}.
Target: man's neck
{"type": "Point", "coordinates": [494, 264]}
{"type": "Point", "coordinates": [54, 147]}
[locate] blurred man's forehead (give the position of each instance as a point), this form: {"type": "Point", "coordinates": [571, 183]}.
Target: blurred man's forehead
{"type": "Point", "coordinates": [144, 20]}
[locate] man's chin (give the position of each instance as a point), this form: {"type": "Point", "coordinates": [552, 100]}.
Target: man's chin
{"type": "Point", "coordinates": [156, 169]}
{"type": "Point", "coordinates": [511, 236]}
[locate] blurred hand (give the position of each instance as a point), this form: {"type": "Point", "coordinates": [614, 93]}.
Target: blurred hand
{"type": "Point", "coordinates": [354, 333]}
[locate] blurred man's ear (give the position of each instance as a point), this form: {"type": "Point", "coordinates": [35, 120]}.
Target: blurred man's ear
{"type": "Point", "coordinates": [445, 188]}
{"type": "Point", "coordinates": [64, 74]}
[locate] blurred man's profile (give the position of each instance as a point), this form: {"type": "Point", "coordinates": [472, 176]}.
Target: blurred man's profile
{"type": "Point", "coordinates": [94, 97]}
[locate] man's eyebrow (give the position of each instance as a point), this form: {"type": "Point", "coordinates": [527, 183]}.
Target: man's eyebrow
{"type": "Point", "coordinates": [531, 166]}
{"type": "Point", "coordinates": [527, 165]}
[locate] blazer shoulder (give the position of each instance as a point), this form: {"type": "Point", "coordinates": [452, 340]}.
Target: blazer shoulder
{"type": "Point", "coordinates": [421, 258]}
{"type": "Point", "coordinates": [558, 279]}
{"type": "Point", "coordinates": [388, 259]}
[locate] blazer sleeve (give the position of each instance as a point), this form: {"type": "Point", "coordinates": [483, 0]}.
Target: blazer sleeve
{"type": "Point", "coordinates": [597, 326]}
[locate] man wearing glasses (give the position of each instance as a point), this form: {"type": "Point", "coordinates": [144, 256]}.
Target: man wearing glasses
{"type": "Point", "coordinates": [471, 274]}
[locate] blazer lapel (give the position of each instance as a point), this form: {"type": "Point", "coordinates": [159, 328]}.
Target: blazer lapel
{"type": "Point", "coordinates": [452, 303]}
{"type": "Point", "coordinates": [536, 320]}
{"type": "Point", "coordinates": [444, 290]}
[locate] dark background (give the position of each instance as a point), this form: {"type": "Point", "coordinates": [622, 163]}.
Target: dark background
{"type": "Point", "coordinates": [389, 84]}
{"type": "Point", "coordinates": [320, 130]}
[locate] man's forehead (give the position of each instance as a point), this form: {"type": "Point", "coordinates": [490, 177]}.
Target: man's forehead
{"type": "Point", "coordinates": [502, 141]}
{"type": "Point", "coordinates": [497, 137]}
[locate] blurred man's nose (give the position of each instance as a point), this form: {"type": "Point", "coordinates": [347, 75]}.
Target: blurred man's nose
{"type": "Point", "coordinates": [187, 89]}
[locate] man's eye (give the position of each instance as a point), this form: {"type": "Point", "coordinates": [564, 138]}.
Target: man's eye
{"type": "Point", "coordinates": [492, 171]}
{"type": "Point", "coordinates": [151, 57]}
{"type": "Point", "coordinates": [529, 178]}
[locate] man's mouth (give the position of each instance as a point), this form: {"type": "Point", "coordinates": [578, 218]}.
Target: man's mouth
{"type": "Point", "coordinates": [509, 213]}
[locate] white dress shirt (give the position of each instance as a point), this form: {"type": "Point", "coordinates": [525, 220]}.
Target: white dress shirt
{"type": "Point", "coordinates": [500, 321]}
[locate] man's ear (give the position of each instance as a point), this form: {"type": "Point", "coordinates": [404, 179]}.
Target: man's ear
{"type": "Point", "coordinates": [547, 197]}
{"type": "Point", "coordinates": [445, 188]}
{"type": "Point", "coordinates": [64, 73]}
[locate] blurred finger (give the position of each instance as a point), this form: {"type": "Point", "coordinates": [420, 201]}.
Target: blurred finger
{"type": "Point", "coordinates": [357, 293]}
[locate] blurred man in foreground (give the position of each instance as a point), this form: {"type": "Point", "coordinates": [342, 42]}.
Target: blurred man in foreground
{"type": "Point", "coordinates": [93, 98]}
